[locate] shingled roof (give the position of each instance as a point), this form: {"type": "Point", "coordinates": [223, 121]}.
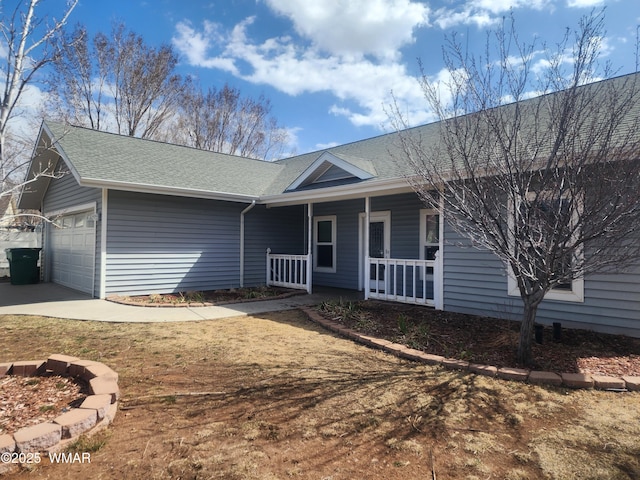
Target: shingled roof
{"type": "Point", "coordinates": [107, 160]}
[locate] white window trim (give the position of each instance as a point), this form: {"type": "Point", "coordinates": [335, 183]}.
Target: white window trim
{"type": "Point", "coordinates": [439, 280]}
{"type": "Point", "coordinates": [71, 210]}
{"type": "Point", "coordinates": [423, 230]}
{"type": "Point", "coordinates": [575, 295]}
{"type": "Point", "coordinates": [334, 228]}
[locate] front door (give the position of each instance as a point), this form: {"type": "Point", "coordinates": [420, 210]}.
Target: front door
{"type": "Point", "coordinates": [379, 247]}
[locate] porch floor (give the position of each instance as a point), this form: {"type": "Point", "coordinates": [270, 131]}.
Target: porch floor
{"type": "Point", "coordinates": [338, 293]}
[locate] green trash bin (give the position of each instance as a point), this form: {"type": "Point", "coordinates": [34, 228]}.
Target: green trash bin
{"type": "Point", "coordinates": [23, 265]}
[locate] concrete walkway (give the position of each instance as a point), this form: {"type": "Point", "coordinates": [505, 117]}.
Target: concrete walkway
{"type": "Point", "coordinates": [51, 300]}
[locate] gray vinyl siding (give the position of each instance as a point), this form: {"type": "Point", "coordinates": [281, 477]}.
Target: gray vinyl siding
{"type": "Point", "coordinates": [164, 244]}
{"type": "Point", "coordinates": [405, 232]}
{"type": "Point", "coordinates": [281, 229]}
{"type": "Point", "coordinates": [347, 218]}
{"type": "Point", "coordinates": [476, 282]}
{"type": "Point", "coordinates": [65, 193]}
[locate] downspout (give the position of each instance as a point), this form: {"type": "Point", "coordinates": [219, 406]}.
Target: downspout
{"type": "Point", "coordinates": [242, 214]}
{"type": "Point", "coordinates": [44, 244]}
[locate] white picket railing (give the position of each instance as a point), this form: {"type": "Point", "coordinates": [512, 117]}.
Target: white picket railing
{"type": "Point", "coordinates": [403, 280]}
{"type": "Point", "coordinates": [289, 271]}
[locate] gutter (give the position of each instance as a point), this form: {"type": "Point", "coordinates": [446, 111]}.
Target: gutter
{"type": "Point", "coordinates": [341, 192]}
{"type": "Point", "coordinates": [242, 214]}
{"type": "Point", "coordinates": [164, 190]}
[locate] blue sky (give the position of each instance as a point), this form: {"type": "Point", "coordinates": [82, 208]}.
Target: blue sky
{"type": "Point", "coordinates": [328, 66]}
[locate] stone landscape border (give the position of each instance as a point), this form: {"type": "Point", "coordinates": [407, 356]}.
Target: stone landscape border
{"type": "Point", "coordinates": [96, 411]}
{"type": "Point", "coordinates": [570, 380]}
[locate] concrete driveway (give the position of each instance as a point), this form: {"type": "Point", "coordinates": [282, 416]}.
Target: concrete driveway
{"type": "Point", "coordinates": [51, 300]}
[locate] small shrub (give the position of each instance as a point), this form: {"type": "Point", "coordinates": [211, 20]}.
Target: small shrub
{"type": "Point", "coordinates": [341, 309]}
{"type": "Point", "coordinates": [403, 324]}
{"type": "Point", "coordinates": [196, 297]}
{"type": "Point", "coordinates": [155, 298]}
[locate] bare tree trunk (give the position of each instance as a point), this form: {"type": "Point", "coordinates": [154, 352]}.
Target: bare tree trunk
{"type": "Point", "coordinates": [525, 342]}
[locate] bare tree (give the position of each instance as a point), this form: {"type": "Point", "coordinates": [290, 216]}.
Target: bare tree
{"type": "Point", "coordinates": [118, 83]}
{"type": "Point", "coordinates": [146, 88]}
{"type": "Point", "coordinates": [548, 184]}
{"type": "Point", "coordinates": [224, 121]}
{"type": "Point", "coordinates": [26, 49]}
{"type": "Point", "coordinates": [115, 82]}
{"type": "Point", "coordinates": [77, 83]}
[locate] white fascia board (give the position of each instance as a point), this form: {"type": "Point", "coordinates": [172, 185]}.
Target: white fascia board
{"type": "Point", "coordinates": [342, 192]}
{"type": "Point", "coordinates": [45, 156]}
{"type": "Point", "coordinates": [163, 190]}
{"type": "Point", "coordinates": [332, 159]}
{"type": "Point", "coordinates": [55, 145]}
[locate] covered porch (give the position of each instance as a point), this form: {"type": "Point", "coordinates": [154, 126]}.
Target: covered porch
{"type": "Point", "coordinates": [387, 246]}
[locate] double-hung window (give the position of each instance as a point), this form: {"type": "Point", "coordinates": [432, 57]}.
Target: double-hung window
{"type": "Point", "coordinates": [324, 244]}
{"type": "Point", "coordinates": [429, 234]}
{"type": "Point", "coordinates": [553, 216]}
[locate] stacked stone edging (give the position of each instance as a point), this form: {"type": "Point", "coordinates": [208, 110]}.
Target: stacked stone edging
{"type": "Point", "coordinates": [96, 411]}
{"type": "Point", "coordinates": [570, 380]}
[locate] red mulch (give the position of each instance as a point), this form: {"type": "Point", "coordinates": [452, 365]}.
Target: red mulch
{"type": "Point", "coordinates": [27, 401]}
{"type": "Point", "coordinates": [489, 341]}
{"type": "Point", "coordinates": [207, 297]}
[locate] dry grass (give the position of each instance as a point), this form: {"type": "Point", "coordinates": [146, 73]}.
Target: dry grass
{"type": "Point", "coordinates": [277, 397]}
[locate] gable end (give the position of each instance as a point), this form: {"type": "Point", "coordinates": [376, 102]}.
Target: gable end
{"type": "Point", "coordinates": [330, 168]}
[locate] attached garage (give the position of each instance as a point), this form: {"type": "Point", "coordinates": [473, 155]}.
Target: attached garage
{"type": "Point", "coordinates": [71, 250]}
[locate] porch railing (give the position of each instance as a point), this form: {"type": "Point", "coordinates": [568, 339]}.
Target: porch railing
{"type": "Point", "coordinates": [404, 280]}
{"type": "Point", "coordinates": [289, 271]}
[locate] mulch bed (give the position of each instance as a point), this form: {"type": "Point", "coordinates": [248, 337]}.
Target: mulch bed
{"type": "Point", "coordinates": [27, 401]}
{"type": "Point", "coordinates": [486, 340]}
{"type": "Point", "coordinates": [206, 298]}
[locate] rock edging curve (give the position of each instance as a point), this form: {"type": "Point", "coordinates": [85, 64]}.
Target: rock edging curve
{"type": "Point", "coordinates": [96, 411]}
{"type": "Point", "coordinates": [570, 380]}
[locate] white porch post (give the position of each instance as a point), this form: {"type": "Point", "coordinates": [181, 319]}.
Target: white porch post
{"type": "Point", "coordinates": [438, 272]}
{"type": "Point", "coordinates": [268, 267]}
{"type": "Point", "coordinates": [367, 268]}
{"type": "Point", "coordinates": [437, 282]}
{"type": "Point", "coordinates": [309, 246]}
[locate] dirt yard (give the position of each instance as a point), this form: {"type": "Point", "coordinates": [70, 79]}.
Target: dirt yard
{"type": "Point", "coordinates": [277, 397]}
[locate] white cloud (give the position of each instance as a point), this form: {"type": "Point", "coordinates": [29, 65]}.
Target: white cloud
{"type": "Point", "coordinates": [195, 45]}
{"type": "Point", "coordinates": [446, 18]}
{"type": "Point", "coordinates": [355, 27]}
{"type": "Point", "coordinates": [501, 6]}
{"type": "Point", "coordinates": [484, 13]}
{"type": "Point", "coordinates": [326, 146]}
{"type": "Point", "coordinates": [353, 56]}
{"type": "Point", "coordinates": [584, 3]}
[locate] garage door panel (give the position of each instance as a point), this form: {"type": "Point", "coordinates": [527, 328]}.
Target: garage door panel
{"type": "Point", "coordinates": [72, 251]}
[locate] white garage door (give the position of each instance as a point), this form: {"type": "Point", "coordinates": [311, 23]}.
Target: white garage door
{"type": "Point", "coordinates": [72, 250]}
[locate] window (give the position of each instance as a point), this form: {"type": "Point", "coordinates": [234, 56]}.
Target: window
{"type": "Point", "coordinates": [429, 234]}
{"type": "Point", "coordinates": [325, 244]}
{"type": "Point", "coordinates": [548, 209]}
{"type": "Point", "coordinates": [80, 219]}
